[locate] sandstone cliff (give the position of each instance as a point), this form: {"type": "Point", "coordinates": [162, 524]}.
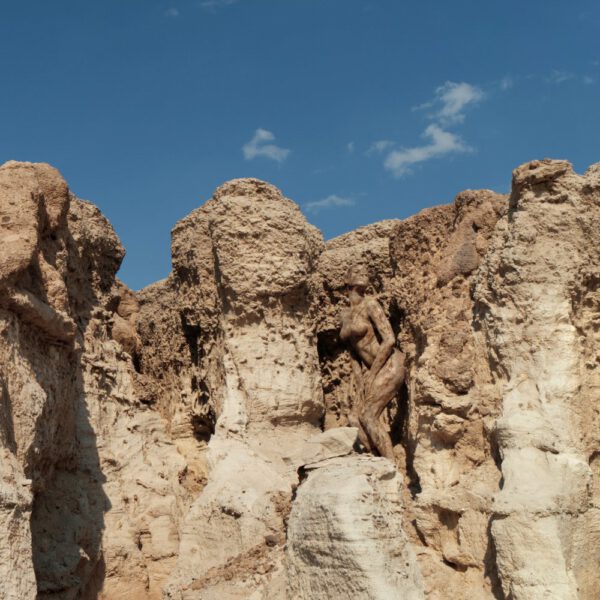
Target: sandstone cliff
{"type": "Point", "coordinates": [190, 441]}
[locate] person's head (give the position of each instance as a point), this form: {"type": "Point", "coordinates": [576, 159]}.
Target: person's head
{"type": "Point", "coordinates": [356, 279]}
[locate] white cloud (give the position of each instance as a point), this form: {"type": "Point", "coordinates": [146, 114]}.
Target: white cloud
{"type": "Point", "coordinates": [172, 12]}
{"type": "Point", "coordinates": [350, 147]}
{"type": "Point", "coordinates": [441, 143]}
{"type": "Point", "coordinates": [379, 147]}
{"type": "Point", "coordinates": [447, 108]}
{"type": "Point", "coordinates": [258, 146]}
{"type": "Point", "coordinates": [332, 201]}
{"type": "Point", "coordinates": [454, 98]}
{"type": "Point", "coordinates": [506, 83]}
{"type": "Point", "coordinates": [423, 106]}
{"type": "Point", "coordinates": [558, 76]}
{"type": "Point", "coordinates": [214, 4]}
{"type": "Point", "coordinates": [451, 100]}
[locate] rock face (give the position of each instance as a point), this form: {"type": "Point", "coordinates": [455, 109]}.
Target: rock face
{"type": "Point", "coordinates": [441, 424]}
{"type": "Point", "coordinates": [89, 479]}
{"type": "Point", "coordinates": [451, 401]}
{"type": "Point", "coordinates": [253, 385]}
{"type": "Point", "coordinates": [346, 522]}
{"type": "Point", "coordinates": [53, 504]}
{"type": "Point", "coordinates": [538, 294]}
{"type": "Point", "coordinates": [189, 441]}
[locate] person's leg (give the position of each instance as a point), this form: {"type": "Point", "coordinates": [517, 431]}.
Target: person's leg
{"type": "Point", "coordinates": [358, 400]}
{"type": "Point", "coordinates": [369, 419]}
{"type": "Point", "coordinates": [386, 385]}
{"type": "Point", "coordinates": [363, 438]}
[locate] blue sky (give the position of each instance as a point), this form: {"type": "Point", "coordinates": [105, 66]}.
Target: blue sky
{"type": "Point", "coordinates": [358, 110]}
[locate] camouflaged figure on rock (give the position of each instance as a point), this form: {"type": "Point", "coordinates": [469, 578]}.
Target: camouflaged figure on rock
{"type": "Point", "coordinates": [377, 366]}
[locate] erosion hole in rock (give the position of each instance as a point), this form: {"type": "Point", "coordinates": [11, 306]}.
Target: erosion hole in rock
{"type": "Point", "coordinates": [192, 335]}
{"type": "Point", "coordinates": [490, 565]}
{"type": "Point", "coordinates": [203, 426]}
{"type": "Point", "coordinates": [456, 567]}
{"type": "Point", "coordinates": [397, 316]}
{"type": "Point", "coordinates": [136, 361]}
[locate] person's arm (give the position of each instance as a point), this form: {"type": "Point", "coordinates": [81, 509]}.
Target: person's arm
{"type": "Point", "coordinates": [357, 378]}
{"type": "Point", "coordinates": [386, 334]}
{"type": "Point", "coordinates": [346, 317]}
{"type": "Point", "coordinates": [357, 402]}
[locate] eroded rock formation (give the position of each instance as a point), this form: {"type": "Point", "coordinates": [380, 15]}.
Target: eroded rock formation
{"type": "Point", "coordinates": [90, 479]}
{"type": "Point", "coordinates": [537, 303]}
{"type": "Point", "coordinates": [190, 441]}
{"type": "Point", "coordinates": [345, 534]}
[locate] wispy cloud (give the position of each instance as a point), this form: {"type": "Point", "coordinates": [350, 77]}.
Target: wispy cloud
{"type": "Point", "coordinates": [350, 147]}
{"type": "Point", "coordinates": [506, 83]}
{"type": "Point", "coordinates": [399, 162]}
{"type": "Point", "coordinates": [554, 77]}
{"type": "Point", "coordinates": [259, 146]}
{"type": "Point", "coordinates": [215, 4]}
{"type": "Point", "coordinates": [379, 147]}
{"type": "Point", "coordinates": [447, 109]}
{"type": "Point", "coordinates": [559, 76]}
{"type": "Point", "coordinates": [451, 100]}
{"type": "Point", "coordinates": [172, 12]}
{"type": "Point", "coordinates": [332, 201]}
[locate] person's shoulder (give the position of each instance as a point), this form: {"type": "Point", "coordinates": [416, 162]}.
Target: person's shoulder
{"type": "Point", "coordinates": [372, 303]}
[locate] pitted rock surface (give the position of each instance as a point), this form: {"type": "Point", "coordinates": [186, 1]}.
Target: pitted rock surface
{"type": "Point", "coordinates": [190, 441]}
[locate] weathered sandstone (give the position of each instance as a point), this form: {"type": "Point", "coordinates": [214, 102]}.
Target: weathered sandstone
{"type": "Point", "coordinates": [190, 441]}
{"type": "Point", "coordinates": [253, 385]}
{"type": "Point", "coordinates": [345, 536]}
{"type": "Point", "coordinates": [537, 303]}
{"type": "Point", "coordinates": [90, 482]}
{"type": "Point", "coordinates": [422, 269]}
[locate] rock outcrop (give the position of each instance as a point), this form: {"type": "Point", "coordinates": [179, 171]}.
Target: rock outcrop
{"type": "Point", "coordinates": [46, 288]}
{"type": "Point", "coordinates": [190, 441]}
{"type": "Point", "coordinates": [89, 477]}
{"type": "Point", "coordinates": [253, 386]}
{"type": "Point", "coordinates": [537, 304]}
{"type": "Point", "coordinates": [345, 533]}
{"type": "Point", "coordinates": [422, 269]}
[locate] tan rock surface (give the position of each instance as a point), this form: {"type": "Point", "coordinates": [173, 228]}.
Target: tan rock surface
{"type": "Point", "coordinates": [153, 444]}
{"type": "Point", "coordinates": [90, 482]}
{"type": "Point", "coordinates": [39, 389]}
{"type": "Point", "coordinates": [254, 381]}
{"type": "Point", "coordinates": [339, 441]}
{"type": "Point", "coordinates": [421, 269]}
{"type": "Point", "coordinates": [345, 536]}
{"type": "Point", "coordinates": [451, 404]}
{"type": "Point", "coordinates": [537, 297]}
